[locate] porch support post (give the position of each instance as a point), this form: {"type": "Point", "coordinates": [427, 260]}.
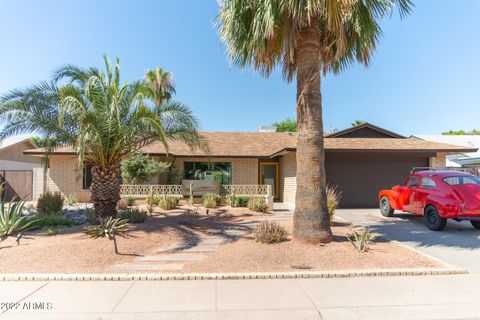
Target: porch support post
{"type": "Point", "coordinates": [269, 198]}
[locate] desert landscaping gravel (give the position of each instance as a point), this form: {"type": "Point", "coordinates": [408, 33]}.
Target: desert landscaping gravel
{"type": "Point", "coordinates": [71, 251]}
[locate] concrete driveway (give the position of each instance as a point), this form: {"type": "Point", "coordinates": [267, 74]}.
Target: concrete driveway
{"type": "Point", "coordinates": [458, 244]}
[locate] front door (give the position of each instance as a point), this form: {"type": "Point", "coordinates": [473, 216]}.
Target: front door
{"type": "Point", "coordinates": [269, 176]}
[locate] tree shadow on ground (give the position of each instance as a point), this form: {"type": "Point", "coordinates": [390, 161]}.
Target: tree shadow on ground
{"type": "Point", "coordinates": [193, 227]}
{"type": "Point", "coordinates": [406, 227]}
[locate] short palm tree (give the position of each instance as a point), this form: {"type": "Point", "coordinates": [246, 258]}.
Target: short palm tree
{"type": "Point", "coordinates": [160, 85]}
{"type": "Point", "coordinates": [102, 118]}
{"type": "Point", "coordinates": [177, 118]}
{"type": "Point", "coordinates": [307, 38]}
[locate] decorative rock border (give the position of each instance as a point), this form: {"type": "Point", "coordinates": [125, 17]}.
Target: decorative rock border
{"type": "Point", "coordinates": [227, 276]}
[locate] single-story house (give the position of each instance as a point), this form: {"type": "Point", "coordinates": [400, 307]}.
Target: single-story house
{"type": "Point", "coordinates": [461, 160]}
{"type": "Point", "coordinates": [360, 160]}
{"type": "Point", "coordinates": [22, 174]}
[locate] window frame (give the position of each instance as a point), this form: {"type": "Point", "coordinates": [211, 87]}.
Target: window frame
{"type": "Point", "coordinates": [208, 164]}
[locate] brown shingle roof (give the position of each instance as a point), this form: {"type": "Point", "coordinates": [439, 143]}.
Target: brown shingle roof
{"type": "Point", "coordinates": [266, 144]}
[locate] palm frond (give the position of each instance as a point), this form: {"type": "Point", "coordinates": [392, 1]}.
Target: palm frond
{"type": "Point", "coordinates": [264, 33]}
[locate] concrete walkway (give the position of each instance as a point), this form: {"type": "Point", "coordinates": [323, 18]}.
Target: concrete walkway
{"type": "Point", "coordinates": [424, 297]}
{"type": "Point", "coordinates": [457, 245]}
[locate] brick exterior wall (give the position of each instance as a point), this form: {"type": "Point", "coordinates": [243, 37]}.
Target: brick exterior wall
{"type": "Point", "coordinates": [438, 162]}
{"type": "Point", "coordinates": [288, 178]}
{"type": "Point", "coordinates": [64, 176]}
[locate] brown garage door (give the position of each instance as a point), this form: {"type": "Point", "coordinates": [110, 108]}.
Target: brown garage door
{"type": "Point", "coordinates": [17, 184]}
{"type": "Point", "coordinates": [360, 176]}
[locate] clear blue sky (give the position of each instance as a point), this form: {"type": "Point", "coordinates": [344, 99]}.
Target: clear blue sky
{"type": "Point", "coordinates": [424, 77]}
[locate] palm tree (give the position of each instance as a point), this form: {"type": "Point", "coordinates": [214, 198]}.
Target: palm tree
{"type": "Point", "coordinates": [101, 118]}
{"type": "Point", "coordinates": [308, 38]}
{"type": "Point", "coordinates": [176, 117]}
{"type": "Point", "coordinates": [160, 85]}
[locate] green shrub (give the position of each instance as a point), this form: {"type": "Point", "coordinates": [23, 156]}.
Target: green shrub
{"type": "Point", "coordinates": [150, 209]}
{"type": "Point", "coordinates": [130, 200]}
{"type": "Point", "coordinates": [238, 201]}
{"type": "Point", "coordinates": [211, 200]}
{"type": "Point", "coordinates": [134, 215]}
{"type": "Point", "coordinates": [71, 199]}
{"type": "Point", "coordinates": [270, 232]}
{"type": "Point", "coordinates": [361, 241]}
{"type": "Point", "coordinates": [258, 204]}
{"type": "Point", "coordinates": [122, 204]}
{"type": "Point", "coordinates": [53, 220]}
{"type": "Point", "coordinates": [333, 199]}
{"type": "Point", "coordinates": [138, 168]}
{"type": "Point", "coordinates": [231, 200]}
{"type": "Point", "coordinates": [11, 220]}
{"type": "Point", "coordinates": [168, 202]}
{"type": "Point", "coordinates": [50, 203]}
{"type": "Point", "coordinates": [50, 231]}
{"type": "Point", "coordinates": [153, 200]}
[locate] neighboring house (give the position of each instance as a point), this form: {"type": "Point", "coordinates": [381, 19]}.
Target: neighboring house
{"type": "Point", "coordinates": [22, 174]}
{"type": "Point", "coordinates": [359, 160]}
{"type": "Point", "coordinates": [465, 160]}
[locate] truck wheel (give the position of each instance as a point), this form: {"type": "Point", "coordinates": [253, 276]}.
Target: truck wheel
{"type": "Point", "coordinates": [433, 220]}
{"type": "Point", "coordinates": [475, 224]}
{"type": "Point", "coordinates": [385, 207]}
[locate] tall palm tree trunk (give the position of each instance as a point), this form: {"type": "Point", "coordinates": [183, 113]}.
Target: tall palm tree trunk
{"type": "Point", "coordinates": [311, 222]}
{"type": "Point", "coordinates": [105, 190]}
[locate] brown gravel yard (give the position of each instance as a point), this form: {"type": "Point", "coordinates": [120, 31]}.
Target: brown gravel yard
{"type": "Point", "coordinates": [246, 255]}
{"type": "Point", "coordinates": [71, 251]}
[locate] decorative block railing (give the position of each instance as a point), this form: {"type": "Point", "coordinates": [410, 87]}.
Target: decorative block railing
{"type": "Point", "coordinates": [246, 189]}
{"type": "Point", "coordinates": [144, 190]}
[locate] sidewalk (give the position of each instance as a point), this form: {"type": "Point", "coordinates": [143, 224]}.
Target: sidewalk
{"type": "Point", "coordinates": [417, 297]}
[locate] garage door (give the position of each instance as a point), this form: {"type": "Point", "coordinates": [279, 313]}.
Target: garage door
{"type": "Point", "coordinates": [360, 176]}
{"type": "Point", "coordinates": [17, 184]}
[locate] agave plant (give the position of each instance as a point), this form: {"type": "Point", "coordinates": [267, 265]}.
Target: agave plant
{"type": "Point", "coordinates": [361, 241]}
{"type": "Point", "coordinates": [109, 227]}
{"type": "Point", "coordinates": [11, 220]}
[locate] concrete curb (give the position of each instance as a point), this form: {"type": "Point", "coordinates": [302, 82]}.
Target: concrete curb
{"type": "Point", "coordinates": [228, 276]}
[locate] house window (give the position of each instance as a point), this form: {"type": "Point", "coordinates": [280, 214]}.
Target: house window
{"type": "Point", "coordinates": [219, 171]}
{"type": "Point", "coordinates": [87, 176]}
